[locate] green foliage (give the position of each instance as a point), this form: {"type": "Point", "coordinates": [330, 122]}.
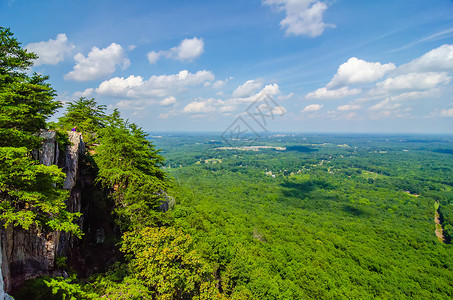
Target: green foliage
{"type": "Point", "coordinates": [129, 165]}
{"type": "Point", "coordinates": [13, 59]}
{"type": "Point", "coordinates": [31, 193]}
{"type": "Point", "coordinates": [86, 115]}
{"type": "Point", "coordinates": [163, 260]}
{"type": "Point", "coordinates": [61, 262]}
{"type": "Point", "coordinates": [67, 289]}
{"type": "Point", "coordinates": [25, 101]}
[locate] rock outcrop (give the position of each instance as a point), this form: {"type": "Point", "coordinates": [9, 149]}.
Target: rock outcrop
{"type": "Point", "coordinates": [31, 253]}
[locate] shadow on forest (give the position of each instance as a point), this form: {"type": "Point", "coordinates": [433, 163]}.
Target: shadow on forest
{"type": "Point", "coordinates": [443, 151]}
{"type": "Point", "coordinates": [300, 149]}
{"type": "Point", "coordinates": [354, 210]}
{"type": "Point", "coordinates": [304, 189]}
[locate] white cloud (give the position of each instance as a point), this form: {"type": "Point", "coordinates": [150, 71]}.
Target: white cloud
{"type": "Point", "coordinates": [447, 112]}
{"type": "Point", "coordinates": [268, 91]}
{"type": "Point", "coordinates": [227, 108]}
{"type": "Point", "coordinates": [385, 105]}
{"type": "Point", "coordinates": [155, 86]}
{"type": "Point", "coordinates": [359, 71]}
{"type": "Point", "coordinates": [312, 107]}
{"type": "Point", "coordinates": [135, 104]}
{"type": "Point", "coordinates": [153, 57]}
{"type": "Point", "coordinates": [412, 82]}
{"type": "Point", "coordinates": [210, 105]}
{"type": "Point", "coordinates": [285, 97]}
{"type": "Point", "coordinates": [324, 93]}
{"type": "Point", "coordinates": [348, 107]}
{"type": "Point", "coordinates": [168, 101]}
{"type": "Point", "coordinates": [118, 86]}
{"type": "Point", "coordinates": [279, 110]}
{"type": "Point", "coordinates": [202, 106]}
{"type": "Point", "coordinates": [221, 83]}
{"type": "Point", "coordinates": [85, 93]}
{"type": "Point", "coordinates": [248, 88]}
{"type": "Point", "coordinates": [303, 17]}
{"type": "Point", "coordinates": [436, 60]}
{"type": "Point", "coordinates": [98, 63]}
{"type": "Point", "coordinates": [51, 52]}
{"type": "Point", "coordinates": [187, 50]}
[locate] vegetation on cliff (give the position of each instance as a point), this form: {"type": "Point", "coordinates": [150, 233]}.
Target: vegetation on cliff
{"type": "Point", "coordinates": [30, 193]}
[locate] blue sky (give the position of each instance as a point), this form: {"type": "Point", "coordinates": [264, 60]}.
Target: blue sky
{"type": "Point", "coordinates": [328, 66]}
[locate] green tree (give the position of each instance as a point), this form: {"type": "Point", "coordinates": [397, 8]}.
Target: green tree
{"type": "Point", "coordinates": [26, 102]}
{"type": "Point", "coordinates": [163, 259]}
{"type": "Point", "coordinates": [130, 165]}
{"type": "Point", "coordinates": [30, 193]}
{"type": "Point", "coordinates": [87, 115]}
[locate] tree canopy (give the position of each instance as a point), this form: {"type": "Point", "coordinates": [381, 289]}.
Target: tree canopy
{"type": "Point", "coordinates": [30, 193]}
{"type": "Point", "coordinates": [26, 102]}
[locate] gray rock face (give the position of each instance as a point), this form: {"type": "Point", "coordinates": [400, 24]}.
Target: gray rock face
{"type": "Point", "coordinates": [73, 152]}
{"type": "Point", "coordinates": [28, 254]}
{"type": "Point", "coordinates": [48, 154]}
{"type": "Point", "coordinates": [31, 253]}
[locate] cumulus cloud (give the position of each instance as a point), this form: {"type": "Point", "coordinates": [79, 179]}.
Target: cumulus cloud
{"type": "Point", "coordinates": [324, 93]}
{"type": "Point", "coordinates": [348, 107]}
{"type": "Point", "coordinates": [413, 81]}
{"type": "Point", "coordinates": [268, 91]}
{"type": "Point", "coordinates": [187, 50]}
{"type": "Point", "coordinates": [436, 60]}
{"type": "Point", "coordinates": [248, 88]}
{"type": "Point", "coordinates": [423, 79]}
{"type": "Point", "coordinates": [221, 83]}
{"type": "Point", "coordinates": [155, 86]}
{"type": "Point", "coordinates": [120, 86]}
{"type": "Point", "coordinates": [303, 17]}
{"type": "Point", "coordinates": [356, 71]}
{"type": "Point", "coordinates": [312, 107]}
{"type": "Point", "coordinates": [447, 113]}
{"type": "Point", "coordinates": [202, 106]}
{"type": "Point", "coordinates": [226, 106]}
{"type": "Point", "coordinates": [98, 63]}
{"type": "Point", "coordinates": [168, 101]}
{"type": "Point", "coordinates": [51, 52]}
{"type": "Point", "coordinates": [87, 92]}
{"type": "Point", "coordinates": [153, 57]}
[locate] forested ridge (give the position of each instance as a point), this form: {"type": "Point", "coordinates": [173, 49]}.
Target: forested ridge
{"type": "Point", "coordinates": [328, 217]}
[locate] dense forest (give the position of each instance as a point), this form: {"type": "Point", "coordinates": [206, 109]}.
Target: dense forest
{"type": "Point", "coordinates": [332, 216]}
{"type": "Point", "coordinates": [306, 216]}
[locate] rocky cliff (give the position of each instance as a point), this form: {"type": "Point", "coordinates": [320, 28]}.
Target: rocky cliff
{"type": "Point", "coordinates": [28, 254]}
